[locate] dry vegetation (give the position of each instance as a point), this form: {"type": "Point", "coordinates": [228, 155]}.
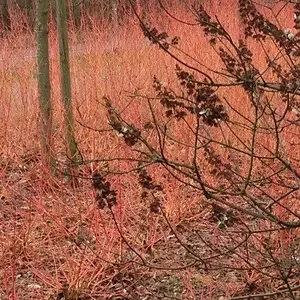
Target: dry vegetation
{"type": "Point", "coordinates": [54, 240]}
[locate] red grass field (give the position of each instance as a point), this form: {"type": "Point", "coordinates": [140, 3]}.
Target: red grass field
{"type": "Point", "coordinates": [54, 239]}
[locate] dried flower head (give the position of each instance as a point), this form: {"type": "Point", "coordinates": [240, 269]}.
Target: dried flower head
{"type": "Point", "coordinates": [105, 195]}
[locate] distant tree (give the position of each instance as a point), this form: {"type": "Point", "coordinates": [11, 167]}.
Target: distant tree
{"type": "Point", "coordinates": [113, 11]}
{"type": "Point", "coordinates": [44, 86]}
{"type": "Point", "coordinates": [77, 11]}
{"type": "Point", "coordinates": [4, 16]}
{"type": "Point", "coordinates": [28, 8]}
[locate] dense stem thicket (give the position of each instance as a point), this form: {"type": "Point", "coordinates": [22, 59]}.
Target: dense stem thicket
{"type": "Point", "coordinates": [20, 13]}
{"type": "Point", "coordinates": [239, 137]}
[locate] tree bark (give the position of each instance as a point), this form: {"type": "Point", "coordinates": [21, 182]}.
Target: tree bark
{"type": "Point", "coordinates": [4, 16]}
{"type": "Point", "coordinates": [28, 8]}
{"type": "Point", "coordinates": [44, 87]}
{"type": "Point", "coordinates": [113, 7]}
{"type": "Point", "coordinates": [76, 8]}
{"type": "Point", "coordinates": [72, 152]}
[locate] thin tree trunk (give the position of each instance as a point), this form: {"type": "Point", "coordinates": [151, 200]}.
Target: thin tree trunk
{"type": "Point", "coordinates": [77, 4]}
{"type": "Point", "coordinates": [4, 16]}
{"type": "Point", "coordinates": [114, 12]}
{"type": "Point", "coordinates": [72, 152]}
{"type": "Point", "coordinates": [28, 8]}
{"type": "Point", "coordinates": [44, 81]}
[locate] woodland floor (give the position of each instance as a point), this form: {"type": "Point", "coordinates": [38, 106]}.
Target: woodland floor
{"type": "Point", "coordinates": [50, 248]}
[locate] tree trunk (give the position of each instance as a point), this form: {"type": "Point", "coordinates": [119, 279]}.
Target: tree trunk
{"type": "Point", "coordinates": [28, 8]}
{"type": "Point", "coordinates": [44, 87]}
{"type": "Point", "coordinates": [72, 152]}
{"type": "Point", "coordinates": [113, 11]}
{"type": "Point", "coordinates": [77, 5]}
{"type": "Point", "coordinates": [4, 16]}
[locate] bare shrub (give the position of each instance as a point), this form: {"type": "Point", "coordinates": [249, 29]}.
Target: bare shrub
{"type": "Point", "coordinates": [228, 137]}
